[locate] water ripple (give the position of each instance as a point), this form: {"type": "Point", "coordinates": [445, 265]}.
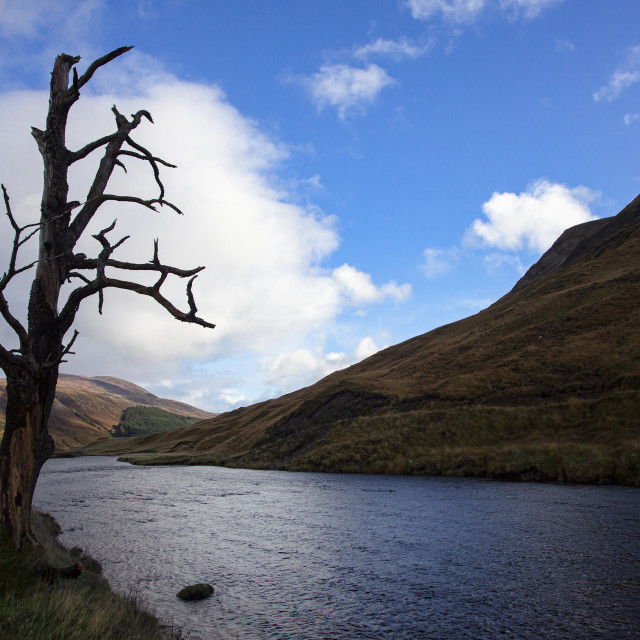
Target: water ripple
{"type": "Point", "coordinates": [346, 557]}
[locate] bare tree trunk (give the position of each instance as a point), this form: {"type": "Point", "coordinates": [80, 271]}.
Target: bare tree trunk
{"type": "Point", "coordinates": [26, 446]}
{"type": "Point", "coordinates": [32, 370]}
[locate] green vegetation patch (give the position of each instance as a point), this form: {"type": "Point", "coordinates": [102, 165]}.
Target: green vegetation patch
{"type": "Point", "coordinates": [36, 606]}
{"type": "Point", "coordinates": [142, 421]}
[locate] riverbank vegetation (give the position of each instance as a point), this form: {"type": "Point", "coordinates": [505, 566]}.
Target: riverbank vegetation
{"type": "Point", "coordinates": [36, 604]}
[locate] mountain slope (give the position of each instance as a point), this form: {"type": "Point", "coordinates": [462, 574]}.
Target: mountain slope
{"type": "Point", "coordinates": [86, 409]}
{"type": "Point", "coordinates": [543, 384]}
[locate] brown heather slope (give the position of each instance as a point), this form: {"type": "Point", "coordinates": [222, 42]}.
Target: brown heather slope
{"type": "Point", "coordinates": [544, 384]}
{"type": "Point", "coordinates": [86, 409]}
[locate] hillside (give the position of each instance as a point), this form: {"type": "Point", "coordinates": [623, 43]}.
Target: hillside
{"type": "Point", "coordinates": [86, 409]}
{"type": "Point", "coordinates": [543, 384]}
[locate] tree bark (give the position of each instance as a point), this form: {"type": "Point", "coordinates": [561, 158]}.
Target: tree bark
{"type": "Point", "coordinates": [26, 446]}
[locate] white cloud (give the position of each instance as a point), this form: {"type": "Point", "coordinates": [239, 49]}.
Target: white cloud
{"type": "Point", "coordinates": [438, 262]}
{"type": "Point", "coordinates": [265, 284]}
{"type": "Point", "coordinates": [528, 9]}
{"type": "Point", "coordinates": [20, 18]}
{"type": "Point", "coordinates": [395, 49]}
{"type": "Point", "coordinates": [451, 10]}
{"type": "Point", "coordinates": [564, 45]}
{"type": "Point", "coordinates": [69, 20]}
{"type": "Point", "coordinates": [494, 261]}
{"type": "Point", "coordinates": [366, 347]}
{"type": "Point", "coordinates": [631, 118]}
{"type": "Point", "coordinates": [357, 287]}
{"type": "Point", "coordinates": [627, 74]}
{"type": "Point", "coordinates": [345, 87]}
{"type": "Point", "coordinates": [466, 11]}
{"type": "Point", "coordinates": [302, 367]}
{"type": "Point", "coordinates": [531, 220]}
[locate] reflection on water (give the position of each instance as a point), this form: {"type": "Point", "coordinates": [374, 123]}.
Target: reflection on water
{"type": "Point", "coordinates": [313, 556]}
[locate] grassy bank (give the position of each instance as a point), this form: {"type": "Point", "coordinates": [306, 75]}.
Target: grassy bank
{"type": "Point", "coordinates": [548, 462]}
{"type": "Point", "coordinates": [37, 605]}
{"type": "Point", "coordinates": [582, 440]}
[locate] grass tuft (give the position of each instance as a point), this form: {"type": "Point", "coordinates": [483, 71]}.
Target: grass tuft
{"type": "Point", "coordinates": [81, 609]}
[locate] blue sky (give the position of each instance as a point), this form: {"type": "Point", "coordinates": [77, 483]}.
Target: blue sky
{"type": "Point", "coordinates": [353, 173]}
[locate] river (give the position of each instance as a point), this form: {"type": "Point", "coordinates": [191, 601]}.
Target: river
{"type": "Point", "coordinates": [305, 556]}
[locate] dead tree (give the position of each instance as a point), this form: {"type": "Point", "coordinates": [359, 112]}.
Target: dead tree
{"type": "Point", "coordinates": [32, 368]}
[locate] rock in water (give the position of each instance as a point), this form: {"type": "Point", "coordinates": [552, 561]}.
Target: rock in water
{"type": "Point", "coordinates": [196, 592]}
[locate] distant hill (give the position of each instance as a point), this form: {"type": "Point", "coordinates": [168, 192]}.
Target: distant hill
{"type": "Point", "coordinates": [86, 409]}
{"type": "Point", "coordinates": [542, 385]}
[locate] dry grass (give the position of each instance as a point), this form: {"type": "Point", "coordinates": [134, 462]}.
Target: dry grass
{"type": "Point", "coordinates": [544, 383]}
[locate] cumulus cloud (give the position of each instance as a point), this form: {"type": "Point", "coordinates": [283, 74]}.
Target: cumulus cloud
{"type": "Point", "coordinates": [266, 285]}
{"type": "Point", "coordinates": [466, 11]}
{"type": "Point", "coordinates": [627, 74]}
{"type": "Point", "coordinates": [350, 89]}
{"type": "Point", "coordinates": [345, 87]}
{"type": "Point", "coordinates": [533, 219]}
{"type": "Point", "coordinates": [304, 366]}
{"type": "Point", "coordinates": [357, 287]}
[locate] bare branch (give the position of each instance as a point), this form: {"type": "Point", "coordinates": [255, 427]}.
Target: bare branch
{"type": "Point", "coordinates": [92, 263]}
{"type": "Point", "coordinates": [102, 239]}
{"type": "Point", "coordinates": [87, 149]}
{"type": "Point", "coordinates": [7, 207]}
{"type": "Point", "coordinates": [149, 157]}
{"type": "Point", "coordinates": [145, 203]}
{"type": "Point", "coordinates": [73, 274]}
{"type": "Point", "coordinates": [96, 286]}
{"type": "Point", "coordinates": [59, 360]}
{"type": "Point", "coordinates": [142, 113]}
{"type": "Point", "coordinates": [9, 318]}
{"type": "Point", "coordinates": [16, 325]}
{"type": "Point", "coordinates": [102, 282]}
{"type": "Point", "coordinates": [96, 196]}
{"type": "Point", "coordinates": [124, 152]}
{"type": "Point", "coordinates": [154, 293]}
{"type": "Point", "coordinates": [39, 138]}
{"type": "Point", "coordinates": [96, 64]}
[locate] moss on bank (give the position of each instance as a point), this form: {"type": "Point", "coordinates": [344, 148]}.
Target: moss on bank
{"type": "Point", "coordinates": [36, 606]}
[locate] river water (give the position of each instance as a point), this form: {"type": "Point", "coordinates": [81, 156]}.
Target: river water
{"type": "Point", "coordinates": [304, 556]}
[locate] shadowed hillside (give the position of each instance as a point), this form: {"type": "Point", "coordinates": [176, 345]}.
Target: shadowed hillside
{"type": "Point", "coordinates": [86, 409]}
{"type": "Point", "coordinates": [543, 384]}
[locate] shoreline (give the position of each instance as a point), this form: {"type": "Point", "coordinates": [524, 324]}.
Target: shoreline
{"type": "Point", "coordinates": [554, 462]}
{"type": "Point", "coordinates": [35, 601]}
